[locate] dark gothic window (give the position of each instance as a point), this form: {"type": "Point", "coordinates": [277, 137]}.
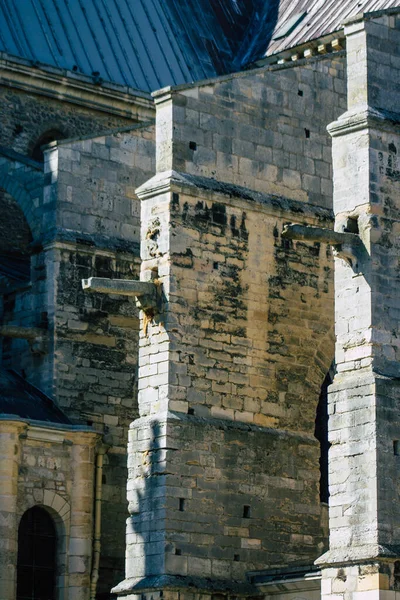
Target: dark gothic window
{"type": "Point", "coordinates": [36, 564]}
{"type": "Point", "coordinates": [321, 433]}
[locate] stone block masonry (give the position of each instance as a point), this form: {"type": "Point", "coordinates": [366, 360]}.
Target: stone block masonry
{"type": "Point", "coordinates": [364, 423]}
{"type": "Point", "coordinates": [224, 390]}
{"type": "Point", "coordinates": [272, 137]}
{"type": "Point", "coordinates": [54, 469]}
{"type": "Point", "coordinates": [86, 223]}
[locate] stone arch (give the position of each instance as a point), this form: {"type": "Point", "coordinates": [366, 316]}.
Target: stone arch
{"type": "Point", "coordinates": [25, 185]}
{"type": "Point", "coordinates": [60, 511]}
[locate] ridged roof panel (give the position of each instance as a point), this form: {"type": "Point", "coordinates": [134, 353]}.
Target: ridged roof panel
{"type": "Point", "coordinates": [150, 44]}
{"type": "Point", "coordinates": [322, 17]}
{"type": "Point", "coordinates": [145, 44]}
{"type": "Point", "coordinates": [129, 42]}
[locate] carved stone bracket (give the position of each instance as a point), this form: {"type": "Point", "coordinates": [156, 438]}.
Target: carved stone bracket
{"type": "Point", "coordinates": [37, 338]}
{"type": "Point", "coordinates": [145, 292]}
{"type": "Point", "coordinates": [347, 246]}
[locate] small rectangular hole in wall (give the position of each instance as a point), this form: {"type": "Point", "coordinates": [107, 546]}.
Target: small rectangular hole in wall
{"type": "Point", "coordinates": [236, 557]}
{"type": "Point", "coordinates": [396, 447]}
{"type": "Point", "coordinates": [352, 225]}
{"type": "Point", "coordinates": [193, 145]}
{"type": "Point", "coordinates": [178, 551]}
{"type": "Point", "coordinates": [246, 512]}
{"type": "Point", "coordinates": [181, 504]}
{"type": "Point", "coordinates": [215, 265]}
{"type": "Point", "coordinates": [300, 93]}
{"type": "Point", "coordinates": [308, 133]}
{"type": "Point", "coordinates": [175, 197]}
{"type": "Point", "coordinates": [190, 411]}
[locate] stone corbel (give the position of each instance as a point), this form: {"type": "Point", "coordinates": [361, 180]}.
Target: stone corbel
{"type": "Point", "coordinates": [145, 292]}
{"type": "Point", "coordinates": [37, 338]}
{"type": "Point", "coordinates": [347, 246]}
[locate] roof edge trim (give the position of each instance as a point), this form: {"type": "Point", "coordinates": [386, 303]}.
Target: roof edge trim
{"type": "Point", "coordinates": [75, 89]}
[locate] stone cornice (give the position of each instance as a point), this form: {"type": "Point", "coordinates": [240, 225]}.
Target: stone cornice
{"type": "Point", "coordinates": [364, 118]}
{"type": "Point", "coordinates": [75, 89]}
{"type": "Point", "coordinates": [354, 555]}
{"type": "Point", "coordinates": [173, 181]}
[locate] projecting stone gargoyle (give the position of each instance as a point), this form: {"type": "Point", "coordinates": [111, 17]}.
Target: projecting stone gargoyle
{"type": "Point", "coordinates": [347, 246]}
{"type": "Point", "coordinates": [145, 292]}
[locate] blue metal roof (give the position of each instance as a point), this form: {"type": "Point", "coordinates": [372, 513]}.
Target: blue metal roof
{"type": "Point", "coordinates": [145, 44]}
{"type": "Point", "coordinates": [149, 44]}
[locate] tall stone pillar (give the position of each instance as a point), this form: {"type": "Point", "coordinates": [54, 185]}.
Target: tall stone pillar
{"type": "Point", "coordinates": [81, 529]}
{"type": "Point", "coordinates": [10, 452]}
{"type": "Point", "coordinates": [363, 562]}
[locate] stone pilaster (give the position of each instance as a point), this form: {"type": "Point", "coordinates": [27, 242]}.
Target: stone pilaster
{"type": "Point", "coordinates": [364, 420]}
{"type": "Point", "coordinates": [10, 452]}
{"type": "Point", "coordinates": [81, 528]}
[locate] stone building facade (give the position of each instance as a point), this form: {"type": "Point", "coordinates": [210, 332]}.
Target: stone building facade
{"type": "Point", "coordinates": [204, 330]}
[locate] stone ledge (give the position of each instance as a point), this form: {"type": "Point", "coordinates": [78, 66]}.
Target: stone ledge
{"type": "Point", "coordinates": [88, 240]}
{"type": "Point", "coordinates": [162, 183]}
{"type": "Point", "coordinates": [224, 424]}
{"type": "Point", "coordinates": [364, 117]}
{"type": "Point", "coordinates": [188, 583]}
{"type": "Point", "coordinates": [356, 554]}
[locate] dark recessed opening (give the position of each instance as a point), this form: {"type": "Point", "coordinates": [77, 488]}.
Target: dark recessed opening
{"type": "Point", "coordinates": [236, 557]}
{"type": "Point", "coordinates": [178, 551]}
{"type": "Point", "coordinates": [307, 132]}
{"type": "Point", "coordinates": [37, 555]}
{"type": "Point", "coordinates": [190, 411]}
{"type": "Point", "coordinates": [50, 136]}
{"type": "Point", "coordinates": [321, 433]}
{"type": "Point", "coordinates": [215, 265]}
{"type": "Point", "coordinates": [300, 93]}
{"type": "Point", "coordinates": [396, 447]}
{"type": "Point", "coordinates": [90, 423]}
{"type": "Point", "coordinates": [352, 225]}
{"type": "Point", "coordinates": [246, 512]}
{"type": "Point", "coordinates": [181, 504]}
{"type": "Point", "coordinates": [193, 145]}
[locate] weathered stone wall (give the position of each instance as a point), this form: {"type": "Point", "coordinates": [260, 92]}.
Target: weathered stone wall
{"type": "Point", "coordinates": [25, 117]}
{"type": "Point", "coordinates": [53, 469]}
{"type": "Point", "coordinates": [96, 336]}
{"type": "Point", "coordinates": [364, 423]}
{"type": "Point", "coordinates": [86, 223]}
{"type": "Point", "coordinates": [265, 130]}
{"type": "Point", "coordinates": [228, 481]}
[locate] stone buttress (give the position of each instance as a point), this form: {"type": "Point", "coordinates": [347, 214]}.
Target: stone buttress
{"type": "Point", "coordinates": [223, 462]}
{"type": "Point", "coordinates": [364, 422]}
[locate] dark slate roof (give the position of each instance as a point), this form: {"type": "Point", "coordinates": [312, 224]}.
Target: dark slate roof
{"type": "Point", "coordinates": [20, 398]}
{"type": "Point", "coordinates": [149, 44]}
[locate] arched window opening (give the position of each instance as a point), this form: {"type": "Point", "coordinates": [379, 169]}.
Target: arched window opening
{"type": "Point", "coordinates": [36, 563]}
{"type": "Point", "coordinates": [321, 433]}
{"type": "Point", "coordinates": [46, 138]}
